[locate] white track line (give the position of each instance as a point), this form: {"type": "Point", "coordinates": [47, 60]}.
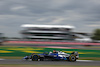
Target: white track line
{"type": "Point", "coordinates": [2, 59]}
{"type": "Point", "coordinates": [85, 60]}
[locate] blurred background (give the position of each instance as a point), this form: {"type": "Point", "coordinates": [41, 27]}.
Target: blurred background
{"type": "Point", "coordinates": [34, 26]}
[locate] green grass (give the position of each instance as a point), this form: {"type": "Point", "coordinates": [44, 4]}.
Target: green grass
{"type": "Point", "coordinates": [23, 51]}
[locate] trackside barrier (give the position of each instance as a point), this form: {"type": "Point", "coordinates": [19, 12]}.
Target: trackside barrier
{"type": "Point", "coordinates": [39, 42]}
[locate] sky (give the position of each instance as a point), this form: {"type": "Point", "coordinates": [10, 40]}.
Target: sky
{"type": "Point", "coordinates": [83, 14]}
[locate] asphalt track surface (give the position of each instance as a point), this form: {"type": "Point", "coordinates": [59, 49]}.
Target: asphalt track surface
{"type": "Point", "coordinates": [18, 61]}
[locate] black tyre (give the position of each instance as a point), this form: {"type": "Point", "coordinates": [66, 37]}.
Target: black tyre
{"type": "Point", "coordinates": [72, 58]}
{"type": "Point", "coordinates": [35, 58]}
{"type": "Point", "coordinates": [0, 43]}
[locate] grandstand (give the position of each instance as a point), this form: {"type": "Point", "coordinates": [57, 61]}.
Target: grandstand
{"type": "Point", "coordinates": [47, 32]}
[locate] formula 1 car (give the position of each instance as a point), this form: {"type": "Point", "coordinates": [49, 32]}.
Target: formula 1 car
{"type": "Point", "coordinates": [59, 55]}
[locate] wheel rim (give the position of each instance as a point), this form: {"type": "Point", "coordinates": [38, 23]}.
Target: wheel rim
{"type": "Point", "coordinates": [35, 57]}
{"type": "Point", "coordinates": [73, 58]}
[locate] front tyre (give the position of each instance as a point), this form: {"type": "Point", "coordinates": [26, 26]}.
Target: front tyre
{"type": "Point", "coordinates": [35, 58]}
{"type": "Point", "coordinates": [72, 58]}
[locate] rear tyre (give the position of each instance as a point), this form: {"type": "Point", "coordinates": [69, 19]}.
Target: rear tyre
{"type": "Point", "coordinates": [72, 58]}
{"type": "Point", "coordinates": [0, 43]}
{"type": "Point", "coordinates": [35, 58]}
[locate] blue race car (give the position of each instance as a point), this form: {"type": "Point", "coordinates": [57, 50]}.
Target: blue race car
{"type": "Point", "coordinates": [59, 55]}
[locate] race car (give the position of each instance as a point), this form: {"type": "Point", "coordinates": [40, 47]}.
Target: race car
{"type": "Point", "coordinates": [59, 55]}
